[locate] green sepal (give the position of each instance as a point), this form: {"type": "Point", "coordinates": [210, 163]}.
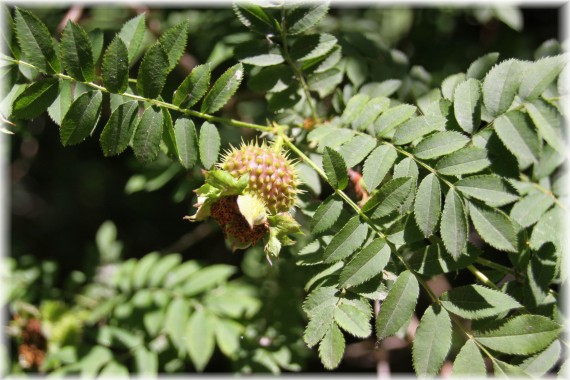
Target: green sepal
{"type": "Point", "coordinates": [280, 226]}
{"type": "Point", "coordinates": [226, 183]}
{"type": "Point", "coordinates": [252, 208]}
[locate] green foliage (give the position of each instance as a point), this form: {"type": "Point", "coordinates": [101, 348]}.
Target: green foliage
{"type": "Point", "coordinates": [460, 176]}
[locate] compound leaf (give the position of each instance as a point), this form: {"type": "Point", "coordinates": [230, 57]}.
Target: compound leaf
{"type": "Point", "coordinates": [81, 118]}
{"type": "Point", "coordinates": [152, 72]}
{"type": "Point", "coordinates": [77, 53]}
{"type": "Point", "coordinates": [115, 66]}
{"type": "Point", "coordinates": [36, 98]}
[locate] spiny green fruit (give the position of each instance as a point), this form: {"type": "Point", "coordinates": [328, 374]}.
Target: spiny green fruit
{"type": "Point", "coordinates": [272, 177]}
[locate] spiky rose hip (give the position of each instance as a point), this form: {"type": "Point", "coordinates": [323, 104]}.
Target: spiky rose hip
{"type": "Point", "coordinates": [272, 176]}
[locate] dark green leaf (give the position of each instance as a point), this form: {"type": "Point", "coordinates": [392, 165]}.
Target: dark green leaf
{"type": "Point", "coordinates": [81, 119]}
{"type": "Point", "coordinates": [305, 16]}
{"type": "Point", "coordinates": [356, 149]}
{"type": "Point", "coordinates": [146, 141]}
{"type": "Point", "coordinates": [539, 75]}
{"type": "Point", "coordinates": [35, 41]}
{"type": "Point", "coordinates": [469, 362]}
{"type": "Point", "coordinates": [393, 117]}
{"type": "Point", "coordinates": [501, 85]}
{"type": "Point", "coordinates": [35, 99]}
{"type": "Point", "coordinates": [491, 189]}
{"type": "Point", "coordinates": [479, 68]}
{"type": "Point", "coordinates": [348, 239]}
{"type": "Point", "coordinates": [312, 46]}
{"type": "Point", "coordinates": [152, 72]}
{"type": "Point", "coordinates": [418, 127]}
{"type": "Point", "coordinates": [200, 338]}
{"type": "Point", "coordinates": [476, 302]}
{"type": "Point", "coordinates": [377, 165]}
{"type": "Point", "coordinates": [209, 144]}
{"type": "Point", "coordinates": [173, 43]}
{"type": "Point", "coordinates": [258, 53]}
{"type": "Point", "coordinates": [366, 264]}
{"type": "Point", "coordinates": [494, 227]}
{"type": "Point", "coordinates": [440, 144]}
{"type": "Point", "coordinates": [327, 214]}
{"type": "Point", "coordinates": [519, 335]}
{"type": "Point", "coordinates": [515, 131]}
{"type": "Point", "coordinates": [540, 273]}
{"type": "Point", "coordinates": [432, 341]}
{"type": "Point", "coordinates": [529, 209]}
{"type": "Point", "coordinates": [467, 105]}
{"type": "Point", "coordinates": [389, 197]}
{"type": "Point", "coordinates": [427, 207]}
{"type": "Point", "coordinates": [223, 89]}
{"type": "Point", "coordinates": [193, 87]}
{"type": "Point", "coordinates": [464, 161]}
{"type": "Point", "coordinates": [548, 122]}
{"type": "Point", "coordinates": [186, 142]}
{"type": "Point", "coordinates": [61, 104]}
{"type": "Point", "coordinates": [398, 306]}
{"type": "Point", "coordinates": [335, 168]}
{"type": "Point", "coordinates": [168, 143]}
{"type": "Point", "coordinates": [325, 82]}
{"type": "Point", "coordinates": [434, 259]}
{"type": "Point", "coordinates": [115, 67]}
{"type": "Point", "coordinates": [119, 129]}
{"type": "Point", "coordinates": [271, 79]}
{"type": "Point", "coordinates": [331, 348]}
{"type": "Point", "coordinates": [255, 18]}
{"type": "Point", "coordinates": [77, 53]}
{"type": "Point", "coordinates": [454, 228]}
{"type": "Point", "coordinates": [132, 34]}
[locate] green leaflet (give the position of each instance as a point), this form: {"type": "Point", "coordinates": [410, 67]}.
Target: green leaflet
{"type": "Point", "coordinates": [305, 16]}
{"type": "Point", "coordinates": [353, 320]}
{"type": "Point", "coordinates": [35, 41]}
{"type": "Point", "coordinates": [168, 143]}
{"type": "Point", "coordinates": [530, 208]}
{"type": "Point", "coordinates": [163, 268]}
{"type": "Point", "coordinates": [502, 369]}
{"type": "Point", "coordinates": [186, 142]}
{"type": "Point", "coordinates": [141, 272]}
{"type": "Point", "coordinates": [353, 108]}
{"type": "Point", "coordinates": [389, 197]}
{"type": "Point", "coordinates": [490, 188]}
{"type": "Point", "coordinates": [427, 206]}
{"type": "Point", "coordinates": [207, 278]}
{"type": "Point", "coordinates": [370, 112]}
{"type": "Point", "coordinates": [494, 227]}
{"type": "Point", "coordinates": [176, 319]}
{"type": "Point", "coordinates": [393, 117]}
{"type": "Point", "coordinates": [476, 302]}
{"type": "Point", "coordinates": [255, 18]}
{"type": "Point", "coordinates": [501, 85]}
{"type": "Point", "coordinates": [115, 66]}
{"type": "Point", "coordinates": [312, 46]}
{"type": "Point", "coordinates": [200, 338]}
{"type": "Point", "coordinates": [398, 306]}
{"type": "Point", "coordinates": [348, 239]}
{"type": "Point", "coordinates": [540, 273]}
{"type": "Point", "coordinates": [77, 53]}
{"type": "Point", "coordinates": [515, 131]}
{"type": "Point", "coordinates": [469, 362]}
{"type": "Point", "coordinates": [35, 99]}
{"type": "Point", "coordinates": [356, 69]}
{"type": "Point", "coordinates": [319, 299]}
{"type": "Point", "coordinates": [381, 89]}
{"type": "Point", "coordinates": [325, 82]}
{"type": "Point", "coordinates": [541, 363]}
{"type": "Point", "coordinates": [479, 68]}
{"type": "Point", "coordinates": [331, 348]}
{"type": "Point", "coordinates": [519, 335]}
{"type": "Point", "coordinates": [366, 264]}
{"type": "Point", "coordinates": [548, 122]}
{"type": "Point", "coordinates": [223, 89]}
{"type": "Point", "coordinates": [467, 105]}
{"type": "Point", "coordinates": [432, 341]}
{"type": "Point", "coordinates": [271, 79]}
{"type": "Point", "coordinates": [377, 165]}
{"type": "Point", "coordinates": [115, 370]}
{"type": "Point", "coordinates": [335, 168]}
{"type": "Point", "coordinates": [148, 134]}
{"type": "Point", "coordinates": [434, 259]}
{"type": "Point", "coordinates": [132, 34]}
{"type": "Point", "coordinates": [326, 214]}
{"type": "Point", "coordinates": [152, 72]}
{"type": "Point", "coordinates": [146, 362]}
{"type": "Point", "coordinates": [96, 36]}
{"type": "Point", "coordinates": [324, 274]}
{"type": "Point", "coordinates": [319, 325]}
{"type": "Point", "coordinates": [258, 53]}
{"type": "Point", "coordinates": [181, 274]}
{"type": "Point", "coordinates": [418, 127]}
{"type": "Point", "coordinates": [119, 129]}
{"type": "Point", "coordinates": [193, 87]}
{"type": "Point", "coordinates": [173, 42]}
{"type": "Point", "coordinates": [440, 144]}
{"type": "Point", "coordinates": [356, 149]}
{"type": "Point", "coordinates": [464, 161]}
{"type": "Point", "coordinates": [209, 144]}
{"type": "Point", "coordinates": [228, 336]}
{"type": "Point", "coordinates": [539, 75]}
{"type": "Point", "coordinates": [454, 228]}
{"type": "Point", "coordinates": [449, 85]}
{"type": "Point", "coordinates": [81, 118]}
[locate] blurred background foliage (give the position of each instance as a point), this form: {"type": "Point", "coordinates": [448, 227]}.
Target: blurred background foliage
{"type": "Point", "coordinates": [74, 215]}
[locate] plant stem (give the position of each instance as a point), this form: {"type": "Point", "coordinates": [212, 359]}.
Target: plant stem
{"type": "Point", "coordinates": [295, 68]}
{"type": "Point", "coordinates": [482, 278]}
